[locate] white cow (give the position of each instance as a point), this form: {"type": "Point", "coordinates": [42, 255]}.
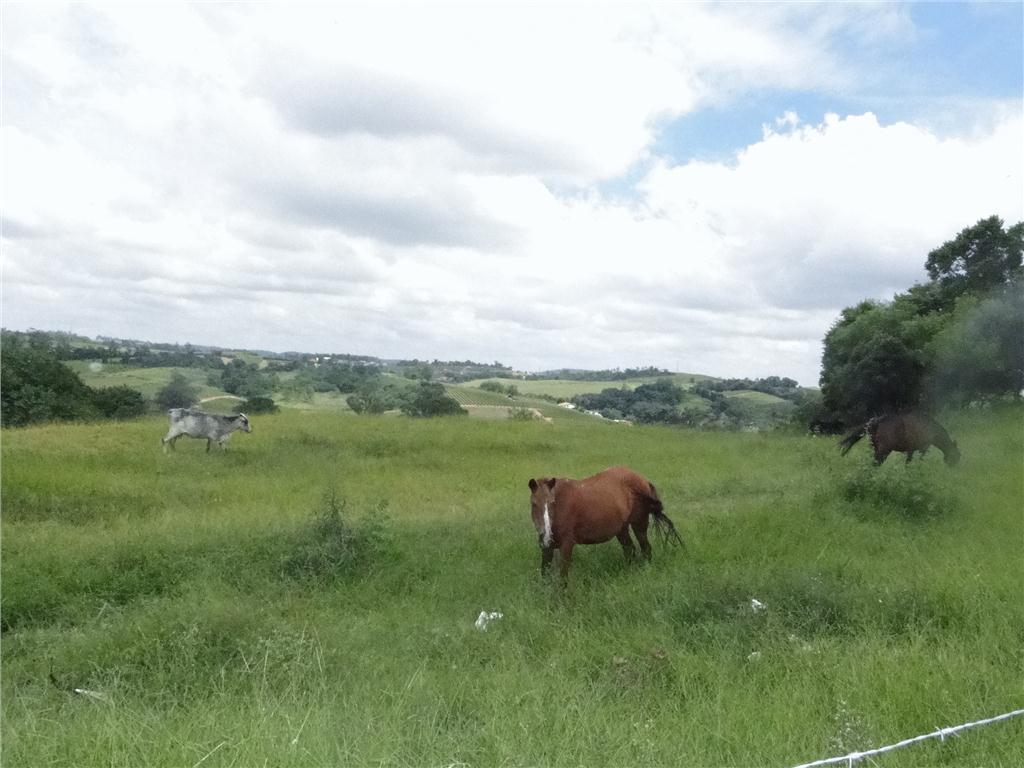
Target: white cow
{"type": "Point", "coordinates": [186, 421]}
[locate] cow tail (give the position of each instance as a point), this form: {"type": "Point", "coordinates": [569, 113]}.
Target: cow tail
{"type": "Point", "coordinates": [850, 440]}
{"type": "Point", "coordinates": [665, 527]}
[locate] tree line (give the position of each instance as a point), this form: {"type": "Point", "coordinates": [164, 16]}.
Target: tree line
{"type": "Point", "coordinates": [607, 374]}
{"type": "Point", "coordinates": [38, 387]}
{"type": "Point", "coordinates": [956, 339]}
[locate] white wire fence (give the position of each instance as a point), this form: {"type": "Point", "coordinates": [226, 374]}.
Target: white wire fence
{"type": "Point", "coordinates": [940, 734]}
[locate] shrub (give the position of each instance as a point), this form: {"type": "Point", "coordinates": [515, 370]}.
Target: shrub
{"type": "Point", "coordinates": [378, 395]}
{"type": "Point", "coordinates": [37, 386]}
{"type": "Point", "coordinates": [332, 546]}
{"type": "Point", "coordinates": [120, 402]}
{"type": "Point", "coordinates": [909, 494]}
{"type": "Point", "coordinates": [520, 414]}
{"type": "Point", "coordinates": [431, 399]}
{"type": "Point", "coordinates": [178, 393]}
{"type": "Point", "coordinates": [258, 405]}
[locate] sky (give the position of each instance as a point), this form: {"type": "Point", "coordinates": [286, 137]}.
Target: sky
{"type": "Point", "coordinates": [695, 187]}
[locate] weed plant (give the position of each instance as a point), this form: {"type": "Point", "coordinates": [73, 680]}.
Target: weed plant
{"type": "Point", "coordinates": [332, 546]}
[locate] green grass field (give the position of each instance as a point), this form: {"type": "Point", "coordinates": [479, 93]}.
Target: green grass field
{"type": "Point", "coordinates": [222, 617]}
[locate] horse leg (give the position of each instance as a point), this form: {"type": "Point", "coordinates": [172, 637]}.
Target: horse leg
{"type": "Point", "coordinates": [546, 554]}
{"type": "Point", "coordinates": [640, 531]}
{"type": "Point", "coordinates": [627, 543]}
{"type": "Point", "coordinates": [208, 441]}
{"type": "Point", "coordinates": [880, 457]}
{"type": "Point", "coordinates": [910, 456]}
{"type": "Point", "coordinates": [565, 555]}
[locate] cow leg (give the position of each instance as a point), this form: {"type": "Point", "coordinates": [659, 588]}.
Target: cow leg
{"type": "Point", "coordinates": [640, 531]}
{"type": "Point", "coordinates": [208, 441]}
{"type": "Point", "coordinates": [627, 543]}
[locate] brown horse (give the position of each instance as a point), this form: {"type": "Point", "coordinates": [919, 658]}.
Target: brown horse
{"type": "Point", "coordinates": [908, 432]}
{"type": "Point", "coordinates": [592, 510]}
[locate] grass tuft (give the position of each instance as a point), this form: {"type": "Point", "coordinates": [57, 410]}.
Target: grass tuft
{"type": "Point", "coordinates": [333, 546]}
{"type": "Point", "coordinates": [910, 493]}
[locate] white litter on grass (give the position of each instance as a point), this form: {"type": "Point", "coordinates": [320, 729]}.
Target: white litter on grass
{"type": "Point", "coordinates": [485, 617]}
{"type": "Point", "coordinates": [755, 656]}
{"type": "Point", "coordinates": [756, 605]}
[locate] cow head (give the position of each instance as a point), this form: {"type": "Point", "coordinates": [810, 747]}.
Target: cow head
{"type": "Point", "coordinates": [243, 422]}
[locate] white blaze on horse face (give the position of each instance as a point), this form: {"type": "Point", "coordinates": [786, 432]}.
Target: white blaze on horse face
{"type": "Point", "coordinates": [547, 526]}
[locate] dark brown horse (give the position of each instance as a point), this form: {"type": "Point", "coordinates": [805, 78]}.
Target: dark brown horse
{"type": "Point", "coordinates": [593, 510]}
{"type": "Point", "coordinates": [908, 432]}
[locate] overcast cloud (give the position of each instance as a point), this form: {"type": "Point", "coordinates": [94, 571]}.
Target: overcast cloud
{"type": "Point", "coordinates": [492, 182]}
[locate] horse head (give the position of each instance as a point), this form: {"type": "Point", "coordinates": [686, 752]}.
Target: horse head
{"type": "Point", "coordinates": [542, 505]}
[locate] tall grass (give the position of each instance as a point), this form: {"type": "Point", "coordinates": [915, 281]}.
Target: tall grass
{"type": "Point", "coordinates": [231, 613]}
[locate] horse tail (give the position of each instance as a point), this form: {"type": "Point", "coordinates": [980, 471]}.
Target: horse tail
{"type": "Point", "coordinates": [662, 522]}
{"type": "Point", "coordinates": [848, 442]}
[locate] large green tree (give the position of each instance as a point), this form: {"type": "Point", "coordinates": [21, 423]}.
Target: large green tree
{"type": "Point", "coordinates": [871, 362]}
{"type": "Point", "coordinates": [979, 259]}
{"type": "Point", "coordinates": [431, 399]}
{"type": "Point", "coordinates": [178, 393]}
{"type": "Point", "coordinates": [37, 387]}
{"type": "Point", "coordinates": [979, 354]}
{"type": "Point", "coordinates": [954, 338]}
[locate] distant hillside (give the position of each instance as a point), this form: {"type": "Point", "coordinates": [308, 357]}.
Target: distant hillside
{"type": "Point", "coordinates": [334, 381]}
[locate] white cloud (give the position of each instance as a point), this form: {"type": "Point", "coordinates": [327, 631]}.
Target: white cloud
{"type": "Point", "coordinates": [424, 181]}
{"type": "Point", "coordinates": [822, 215]}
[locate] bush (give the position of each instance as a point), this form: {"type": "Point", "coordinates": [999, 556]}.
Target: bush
{"type": "Point", "coordinates": [431, 399]}
{"type": "Point", "coordinates": [37, 386]}
{"type": "Point", "coordinates": [332, 546]}
{"type": "Point", "coordinates": [521, 414]}
{"type": "Point", "coordinates": [178, 393]}
{"type": "Point", "coordinates": [258, 405]}
{"type": "Point", "coordinates": [381, 394]}
{"type": "Point", "coordinates": [495, 386]}
{"type": "Point", "coordinates": [910, 494]}
{"type": "Point", "coordinates": [119, 402]}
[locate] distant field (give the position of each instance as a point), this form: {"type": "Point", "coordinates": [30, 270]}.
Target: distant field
{"type": "Point", "coordinates": [221, 615]}
{"type": "Point", "coordinates": [754, 396]}
{"type": "Point", "coordinates": [565, 388]}
{"type": "Point", "coordinates": [760, 407]}
{"type": "Point", "coordinates": [148, 381]}
{"type": "Point", "coordinates": [696, 403]}
{"type": "Point", "coordinates": [468, 396]}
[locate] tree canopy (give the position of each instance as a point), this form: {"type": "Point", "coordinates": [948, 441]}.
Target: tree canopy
{"type": "Point", "coordinates": [38, 387]}
{"type": "Point", "coordinates": [955, 338]}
